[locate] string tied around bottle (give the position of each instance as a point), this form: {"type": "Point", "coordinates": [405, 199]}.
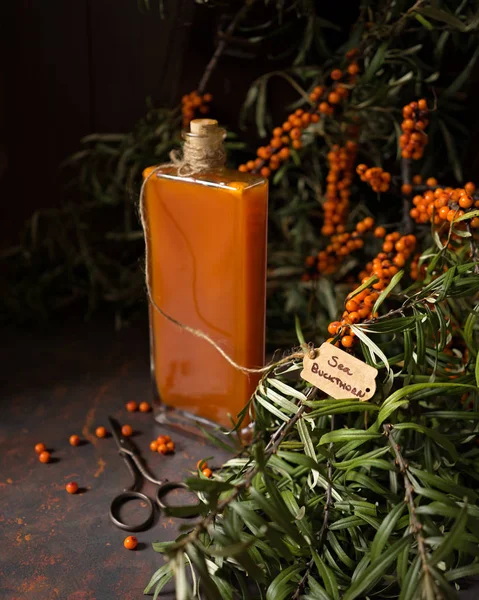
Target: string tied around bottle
{"type": "Point", "coordinates": [203, 149]}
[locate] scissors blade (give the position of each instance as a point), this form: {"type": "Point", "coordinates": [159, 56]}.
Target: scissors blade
{"type": "Point", "coordinates": [124, 445]}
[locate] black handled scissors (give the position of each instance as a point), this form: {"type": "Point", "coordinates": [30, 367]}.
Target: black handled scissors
{"type": "Point", "coordinates": [131, 456]}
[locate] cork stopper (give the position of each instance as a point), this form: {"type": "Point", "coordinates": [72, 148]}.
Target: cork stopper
{"type": "Point", "coordinates": [204, 127]}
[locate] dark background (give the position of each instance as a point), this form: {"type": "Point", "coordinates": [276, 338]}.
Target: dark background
{"type": "Point", "coordinates": [83, 66]}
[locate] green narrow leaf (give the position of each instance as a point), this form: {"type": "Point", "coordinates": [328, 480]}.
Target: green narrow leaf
{"type": "Point", "coordinates": [376, 570]}
{"type": "Point", "coordinates": [327, 576]}
{"type": "Point", "coordinates": [376, 62]}
{"type": "Point", "coordinates": [411, 579]}
{"type": "Point", "coordinates": [347, 435]}
{"type": "Point", "coordinates": [316, 592]}
{"type": "Point", "coordinates": [464, 76]}
{"type": "Point", "coordinates": [385, 293]}
{"type": "Point", "coordinates": [441, 15]}
{"type": "Point", "coordinates": [299, 331]}
{"type": "Point", "coordinates": [162, 576]}
{"type": "Point", "coordinates": [451, 538]}
{"type": "Point", "coordinates": [306, 439]}
{"type": "Point", "coordinates": [424, 22]}
{"type": "Point", "coordinates": [363, 286]}
{"type": "Point", "coordinates": [433, 434]}
{"type": "Point", "coordinates": [476, 370]}
{"type": "Point", "coordinates": [207, 583]}
{"type": "Point", "coordinates": [284, 583]}
{"type": "Point", "coordinates": [261, 108]}
{"type": "Point", "coordinates": [461, 572]}
{"type": "Point", "coordinates": [387, 526]}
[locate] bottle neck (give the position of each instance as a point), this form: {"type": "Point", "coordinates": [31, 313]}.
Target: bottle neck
{"type": "Point", "coordinates": [203, 147]}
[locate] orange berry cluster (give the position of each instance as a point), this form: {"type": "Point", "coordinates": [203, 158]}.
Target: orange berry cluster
{"type": "Point", "coordinates": [395, 252]}
{"type": "Point", "coordinates": [414, 139]}
{"type": "Point", "coordinates": [340, 246]}
{"type": "Point", "coordinates": [326, 99]}
{"type": "Point", "coordinates": [202, 465]}
{"type": "Point", "coordinates": [270, 157]}
{"type": "Point", "coordinates": [133, 406]}
{"type": "Point", "coordinates": [444, 204]}
{"type": "Point", "coordinates": [323, 99]}
{"type": "Point", "coordinates": [43, 454]}
{"type": "Point", "coordinates": [376, 177]}
{"type": "Point", "coordinates": [340, 176]}
{"type": "Point", "coordinates": [163, 445]}
{"type": "Point", "coordinates": [193, 103]}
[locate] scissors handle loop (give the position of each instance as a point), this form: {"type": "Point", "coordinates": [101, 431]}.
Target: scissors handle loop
{"type": "Point", "coordinates": [120, 500]}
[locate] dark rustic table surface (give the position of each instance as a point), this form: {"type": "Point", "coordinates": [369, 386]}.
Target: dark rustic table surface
{"type": "Point", "coordinates": [60, 546]}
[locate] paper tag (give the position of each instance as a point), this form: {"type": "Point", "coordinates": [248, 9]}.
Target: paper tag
{"type": "Point", "coordinates": [339, 374]}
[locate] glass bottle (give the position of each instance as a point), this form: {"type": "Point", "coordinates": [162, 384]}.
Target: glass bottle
{"type": "Point", "coordinates": [207, 232]}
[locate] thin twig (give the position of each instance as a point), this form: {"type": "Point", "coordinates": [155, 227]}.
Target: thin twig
{"type": "Point", "coordinates": [416, 525]}
{"type": "Point", "coordinates": [210, 67]}
{"type": "Point", "coordinates": [406, 221]}
{"type": "Point", "coordinates": [324, 527]}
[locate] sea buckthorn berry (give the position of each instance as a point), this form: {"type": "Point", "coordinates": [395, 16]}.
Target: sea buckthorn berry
{"type": "Point", "coordinates": [100, 432]}
{"type": "Point", "coordinates": [295, 133]}
{"type": "Point", "coordinates": [167, 438]}
{"type": "Point", "coordinates": [39, 448]}
{"type": "Point", "coordinates": [161, 439]}
{"type": "Point", "coordinates": [353, 69]}
{"type": "Point", "coordinates": [470, 188]}
{"type": "Point", "coordinates": [154, 446]}
{"type": "Point", "coordinates": [207, 473]}
{"type": "Point", "coordinates": [297, 144]}
{"type": "Point", "coordinates": [368, 222]}
{"type": "Point", "coordinates": [431, 182]}
{"type": "Point", "coordinates": [443, 211]}
{"type": "Point", "coordinates": [131, 406]}
{"type": "Point", "coordinates": [202, 464]}
{"type": "Point", "coordinates": [324, 108]}
{"type": "Point", "coordinates": [162, 449]}
{"type": "Point", "coordinates": [265, 172]}
{"type": "Point", "coordinates": [144, 407]}
{"type": "Point", "coordinates": [422, 104]}
{"type": "Point", "coordinates": [72, 487]}
{"type": "Point", "coordinates": [379, 232]}
{"type": "Point", "coordinates": [170, 446]}
{"type": "Point", "coordinates": [334, 98]}
{"type": "Point", "coordinates": [466, 202]}
{"type": "Point", "coordinates": [131, 542]}
{"type": "Point", "coordinates": [126, 430]}
{"type": "Point", "coordinates": [351, 306]}
{"type": "Point", "coordinates": [347, 341]}
{"type": "Point", "coordinates": [333, 327]}
{"type": "Point", "coordinates": [336, 74]}
{"type": "Point", "coordinates": [406, 189]}
{"type": "Point", "coordinates": [475, 223]}
{"type": "Point", "coordinates": [277, 132]}
{"type": "Point", "coordinates": [44, 457]}
{"type": "Point", "coordinates": [74, 440]}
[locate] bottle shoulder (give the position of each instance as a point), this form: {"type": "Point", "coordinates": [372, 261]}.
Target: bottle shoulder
{"type": "Point", "coordinates": [217, 177]}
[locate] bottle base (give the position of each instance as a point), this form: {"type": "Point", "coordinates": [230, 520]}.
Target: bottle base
{"type": "Point", "coordinates": [195, 425]}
